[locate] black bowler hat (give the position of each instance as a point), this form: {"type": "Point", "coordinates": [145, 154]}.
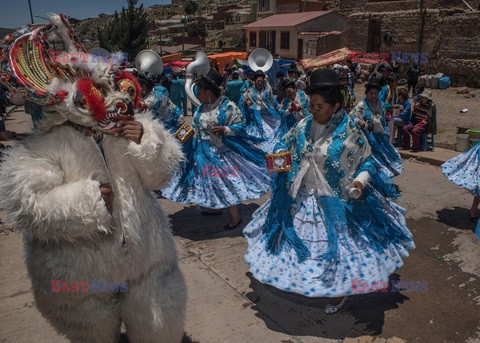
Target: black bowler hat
{"type": "Point", "coordinates": [373, 83]}
{"type": "Point", "coordinates": [258, 73]}
{"type": "Point", "coordinates": [288, 83]}
{"type": "Point", "coordinates": [214, 79]}
{"type": "Point", "coordinates": [323, 78]}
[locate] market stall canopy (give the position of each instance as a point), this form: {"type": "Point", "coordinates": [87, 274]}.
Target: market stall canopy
{"type": "Point", "coordinates": [181, 64]}
{"type": "Point", "coordinates": [333, 57]}
{"type": "Point", "coordinates": [227, 57]}
{"type": "Point", "coordinates": [172, 58]}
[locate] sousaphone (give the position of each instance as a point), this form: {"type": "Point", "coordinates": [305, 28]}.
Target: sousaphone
{"type": "Point", "coordinates": [200, 65]}
{"type": "Point", "coordinates": [260, 59]}
{"type": "Point", "coordinates": [148, 61]}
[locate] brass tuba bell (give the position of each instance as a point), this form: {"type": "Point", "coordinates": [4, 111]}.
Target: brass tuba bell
{"type": "Point", "coordinates": [148, 61]}
{"type": "Point", "coordinates": [260, 59]}
{"type": "Point", "coordinates": [200, 65]}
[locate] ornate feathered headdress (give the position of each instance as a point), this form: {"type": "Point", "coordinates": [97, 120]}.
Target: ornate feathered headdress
{"type": "Point", "coordinates": [48, 65]}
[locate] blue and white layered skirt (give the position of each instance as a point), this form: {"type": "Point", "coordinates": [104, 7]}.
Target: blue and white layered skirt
{"type": "Point", "coordinates": [268, 128]}
{"type": "Point", "coordinates": [358, 261]}
{"type": "Point", "coordinates": [464, 170]}
{"type": "Point", "coordinates": [384, 153]}
{"type": "Point", "coordinates": [230, 180]}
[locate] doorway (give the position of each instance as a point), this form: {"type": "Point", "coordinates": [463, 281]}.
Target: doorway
{"type": "Point", "coordinates": [374, 35]}
{"type": "Point", "coordinates": [300, 49]}
{"type": "Point", "coordinates": [273, 40]}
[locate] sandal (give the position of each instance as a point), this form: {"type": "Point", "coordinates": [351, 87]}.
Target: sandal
{"type": "Point", "coordinates": [231, 226]}
{"type": "Point", "coordinates": [211, 213]}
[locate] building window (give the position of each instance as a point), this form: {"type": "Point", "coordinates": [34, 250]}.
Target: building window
{"type": "Point", "coordinates": [263, 39]}
{"type": "Point", "coordinates": [253, 39]}
{"type": "Point", "coordinates": [285, 40]}
{"type": "Point", "coordinates": [264, 5]}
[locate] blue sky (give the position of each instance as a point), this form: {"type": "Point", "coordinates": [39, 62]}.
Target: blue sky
{"type": "Point", "coordinates": [15, 13]}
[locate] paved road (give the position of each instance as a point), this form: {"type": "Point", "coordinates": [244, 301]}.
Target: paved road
{"type": "Point", "coordinates": [227, 305]}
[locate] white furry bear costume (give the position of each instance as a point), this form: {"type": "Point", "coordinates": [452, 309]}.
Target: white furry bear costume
{"type": "Point", "coordinates": [49, 186]}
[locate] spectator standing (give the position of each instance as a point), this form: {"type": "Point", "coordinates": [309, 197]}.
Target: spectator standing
{"type": "Point", "coordinates": [413, 73]}
{"type": "Point", "coordinates": [178, 95]}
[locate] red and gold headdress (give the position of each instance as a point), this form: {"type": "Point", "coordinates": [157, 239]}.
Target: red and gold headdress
{"type": "Point", "coordinates": [33, 65]}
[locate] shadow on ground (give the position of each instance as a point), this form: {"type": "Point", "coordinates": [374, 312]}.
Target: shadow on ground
{"type": "Point", "coordinates": [185, 339]}
{"type": "Point", "coordinates": [456, 218]}
{"type": "Point", "coordinates": [363, 314]}
{"type": "Point", "coordinates": [208, 226]}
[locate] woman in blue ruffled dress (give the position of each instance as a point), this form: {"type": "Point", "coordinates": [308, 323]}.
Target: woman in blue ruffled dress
{"type": "Point", "coordinates": [464, 170]}
{"type": "Point", "coordinates": [163, 109]}
{"type": "Point", "coordinates": [311, 237]}
{"type": "Point", "coordinates": [259, 107]}
{"type": "Point", "coordinates": [370, 115]}
{"type": "Point", "coordinates": [223, 167]}
{"type": "Point", "coordinates": [295, 105]}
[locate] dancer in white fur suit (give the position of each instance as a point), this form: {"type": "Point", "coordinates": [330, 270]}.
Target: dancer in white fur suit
{"type": "Point", "coordinates": [80, 192]}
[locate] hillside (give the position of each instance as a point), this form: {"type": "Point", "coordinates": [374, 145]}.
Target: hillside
{"type": "Point", "coordinates": [87, 29]}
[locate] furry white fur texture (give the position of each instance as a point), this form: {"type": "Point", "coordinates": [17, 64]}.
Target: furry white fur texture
{"type": "Point", "coordinates": [49, 186]}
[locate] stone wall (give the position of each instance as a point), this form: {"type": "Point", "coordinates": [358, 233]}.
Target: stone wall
{"type": "Point", "coordinates": [287, 6]}
{"type": "Point", "coordinates": [294, 6]}
{"type": "Point", "coordinates": [328, 42]}
{"type": "Point", "coordinates": [451, 37]}
{"type": "Point", "coordinates": [348, 7]}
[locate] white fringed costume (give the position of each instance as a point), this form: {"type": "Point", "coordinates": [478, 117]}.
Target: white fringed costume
{"type": "Point", "coordinates": [50, 189]}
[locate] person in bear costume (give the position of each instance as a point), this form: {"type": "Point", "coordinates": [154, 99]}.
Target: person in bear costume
{"type": "Point", "coordinates": [98, 247]}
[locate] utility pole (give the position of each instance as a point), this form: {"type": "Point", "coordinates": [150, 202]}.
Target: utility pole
{"type": "Point", "coordinates": [31, 14]}
{"type": "Point", "coordinates": [421, 24]}
{"type": "Point", "coordinates": [183, 39]}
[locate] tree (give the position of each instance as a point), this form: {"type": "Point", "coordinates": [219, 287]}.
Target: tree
{"type": "Point", "coordinates": [190, 7]}
{"type": "Point", "coordinates": [127, 31]}
{"type": "Point", "coordinates": [196, 30]}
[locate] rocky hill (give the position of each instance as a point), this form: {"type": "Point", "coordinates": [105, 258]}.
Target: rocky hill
{"type": "Point", "coordinates": [87, 28]}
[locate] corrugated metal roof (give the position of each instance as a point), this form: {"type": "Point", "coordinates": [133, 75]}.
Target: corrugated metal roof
{"type": "Point", "coordinates": [286, 20]}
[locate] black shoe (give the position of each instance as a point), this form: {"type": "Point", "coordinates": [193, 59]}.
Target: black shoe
{"type": "Point", "coordinates": [231, 227]}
